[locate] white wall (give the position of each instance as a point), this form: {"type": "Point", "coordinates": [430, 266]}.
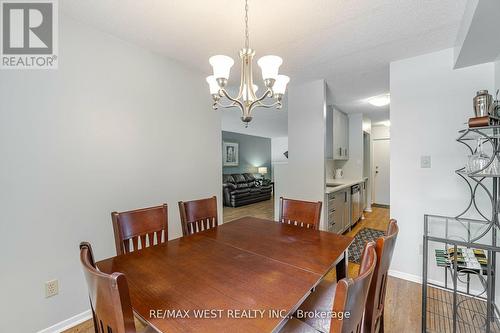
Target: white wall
{"type": "Point", "coordinates": [497, 76]}
{"type": "Point", "coordinates": [381, 132]}
{"type": "Point", "coordinates": [430, 102]}
{"type": "Point", "coordinates": [281, 183]}
{"type": "Point", "coordinates": [306, 142]}
{"type": "Point", "coordinates": [114, 128]}
{"type": "Point", "coordinates": [278, 147]}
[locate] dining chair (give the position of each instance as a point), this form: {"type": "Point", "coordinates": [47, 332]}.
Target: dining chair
{"type": "Point", "coordinates": [198, 215]}
{"type": "Point", "coordinates": [140, 228]}
{"type": "Point", "coordinates": [348, 295]}
{"type": "Point", "coordinates": [374, 311]}
{"type": "Point", "coordinates": [109, 297]}
{"type": "Point", "coordinates": [300, 213]}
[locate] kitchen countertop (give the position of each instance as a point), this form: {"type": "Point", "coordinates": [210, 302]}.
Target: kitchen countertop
{"type": "Point", "coordinates": [343, 184]}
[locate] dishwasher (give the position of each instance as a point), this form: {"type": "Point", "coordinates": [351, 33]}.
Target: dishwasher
{"type": "Point", "coordinates": [355, 203]}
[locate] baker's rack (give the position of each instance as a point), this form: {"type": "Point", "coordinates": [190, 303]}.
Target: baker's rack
{"type": "Point", "coordinates": [463, 299]}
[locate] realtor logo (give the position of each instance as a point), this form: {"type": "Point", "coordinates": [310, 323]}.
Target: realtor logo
{"type": "Point", "coordinates": [29, 34]}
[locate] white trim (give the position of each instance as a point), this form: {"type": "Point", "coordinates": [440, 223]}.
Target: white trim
{"type": "Point", "coordinates": [418, 279]}
{"type": "Point", "coordinates": [405, 276]}
{"type": "Point", "coordinates": [68, 323]}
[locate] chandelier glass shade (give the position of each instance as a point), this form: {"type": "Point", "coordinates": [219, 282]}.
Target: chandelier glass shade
{"type": "Point", "coordinates": [246, 99]}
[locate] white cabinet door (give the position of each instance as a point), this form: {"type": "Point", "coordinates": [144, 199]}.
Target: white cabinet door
{"type": "Point", "coordinates": [329, 134]}
{"type": "Point", "coordinates": [345, 135]}
{"type": "Point", "coordinates": [337, 135]}
{"type": "Point", "coordinates": [340, 135]}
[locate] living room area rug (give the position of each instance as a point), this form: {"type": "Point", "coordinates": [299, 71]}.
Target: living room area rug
{"type": "Point", "coordinates": [362, 237]}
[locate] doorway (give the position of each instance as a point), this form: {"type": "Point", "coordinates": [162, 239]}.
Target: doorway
{"type": "Point", "coordinates": [381, 163]}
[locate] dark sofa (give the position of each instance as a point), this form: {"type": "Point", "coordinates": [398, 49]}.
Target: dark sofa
{"type": "Point", "coordinates": [243, 189]}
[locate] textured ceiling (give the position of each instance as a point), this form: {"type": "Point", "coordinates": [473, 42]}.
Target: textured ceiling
{"type": "Point", "coordinates": [350, 43]}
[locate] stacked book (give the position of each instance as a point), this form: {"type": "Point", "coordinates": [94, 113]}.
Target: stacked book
{"type": "Point", "coordinates": [467, 259]}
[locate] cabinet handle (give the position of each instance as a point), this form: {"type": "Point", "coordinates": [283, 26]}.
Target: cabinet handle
{"type": "Point", "coordinates": [340, 151]}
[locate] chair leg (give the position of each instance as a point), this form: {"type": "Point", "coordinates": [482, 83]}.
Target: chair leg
{"type": "Point", "coordinates": [381, 325]}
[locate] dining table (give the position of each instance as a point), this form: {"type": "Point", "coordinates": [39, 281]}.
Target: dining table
{"type": "Point", "coordinates": [247, 275]}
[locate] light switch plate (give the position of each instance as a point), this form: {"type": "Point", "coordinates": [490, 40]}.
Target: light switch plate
{"type": "Point", "coordinates": [425, 162]}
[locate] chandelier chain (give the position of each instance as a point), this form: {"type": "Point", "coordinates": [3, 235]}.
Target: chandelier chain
{"type": "Point", "coordinates": [247, 35]}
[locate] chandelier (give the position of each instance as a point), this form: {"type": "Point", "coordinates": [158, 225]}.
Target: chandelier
{"type": "Point", "coordinates": [246, 99]}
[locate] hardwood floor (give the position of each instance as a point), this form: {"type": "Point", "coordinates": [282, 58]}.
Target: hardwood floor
{"type": "Point", "coordinates": [263, 210]}
{"type": "Point", "coordinates": [403, 299]}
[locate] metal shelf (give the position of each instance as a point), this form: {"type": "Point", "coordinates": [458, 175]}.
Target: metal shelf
{"type": "Point", "coordinates": [475, 133]}
{"type": "Point", "coordinates": [477, 174]}
{"type": "Point", "coordinates": [470, 313]}
{"type": "Point", "coordinates": [455, 299]}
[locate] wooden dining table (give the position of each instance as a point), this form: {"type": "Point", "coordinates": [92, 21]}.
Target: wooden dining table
{"type": "Point", "coordinates": [248, 275]}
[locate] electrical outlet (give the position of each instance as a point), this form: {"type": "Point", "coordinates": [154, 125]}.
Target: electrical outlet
{"type": "Point", "coordinates": [425, 162]}
{"type": "Point", "coordinates": [51, 288]}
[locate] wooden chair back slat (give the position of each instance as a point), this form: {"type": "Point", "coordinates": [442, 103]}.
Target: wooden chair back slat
{"type": "Point", "coordinates": [300, 213]}
{"type": "Point", "coordinates": [135, 229]}
{"type": "Point", "coordinates": [374, 313]}
{"type": "Point", "coordinates": [109, 296]}
{"type": "Point", "coordinates": [198, 215]}
{"type": "Point", "coordinates": [351, 295]}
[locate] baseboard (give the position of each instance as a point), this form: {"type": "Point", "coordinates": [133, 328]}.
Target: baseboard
{"type": "Point", "coordinates": [380, 205]}
{"type": "Point", "coordinates": [405, 276]}
{"type": "Point", "coordinates": [68, 323]}
{"type": "Point", "coordinates": [418, 279]}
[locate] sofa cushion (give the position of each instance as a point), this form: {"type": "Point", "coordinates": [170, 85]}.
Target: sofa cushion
{"type": "Point", "coordinates": [265, 189]}
{"type": "Point", "coordinates": [239, 178]}
{"type": "Point", "coordinates": [241, 195]}
{"type": "Point", "coordinates": [228, 179]}
{"type": "Point", "coordinates": [251, 181]}
{"type": "Point", "coordinates": [241, 191]}
{"type": "Point", "coordinates": [242, 186]}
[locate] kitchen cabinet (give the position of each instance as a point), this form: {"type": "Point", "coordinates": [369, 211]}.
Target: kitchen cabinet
{"type": "Point", "coordinates": [364, 197]}
{"type": "Point", "coordinates": [338, 211]}
{"type": "Point", "coordinates": [340, 133]}
{"type": "Point", "coordinates": [355, 203]}
{"type": "Point", "coordinates": [329, 134]}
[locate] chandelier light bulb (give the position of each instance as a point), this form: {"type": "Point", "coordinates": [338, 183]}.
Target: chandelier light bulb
{"type": "Point", "coordinates": [270, 65]}
{"type": "Point", "coordinates": [213, 85]}
{"type": "Point", "coordinates": [280, 84]}
{"type": "Point", "coordinates": [221, 65]}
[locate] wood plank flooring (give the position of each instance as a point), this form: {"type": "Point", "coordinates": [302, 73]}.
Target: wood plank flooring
{"type": "Point", "coordinates": [263, 210]}
{"type": "Point", "coordinates": [403, 299]}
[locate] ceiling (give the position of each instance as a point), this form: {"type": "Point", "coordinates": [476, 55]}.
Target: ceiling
{"type": "Point", "coordinates": [269, 123]}
{"type": "Point", "coordinates": [349, 43]}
